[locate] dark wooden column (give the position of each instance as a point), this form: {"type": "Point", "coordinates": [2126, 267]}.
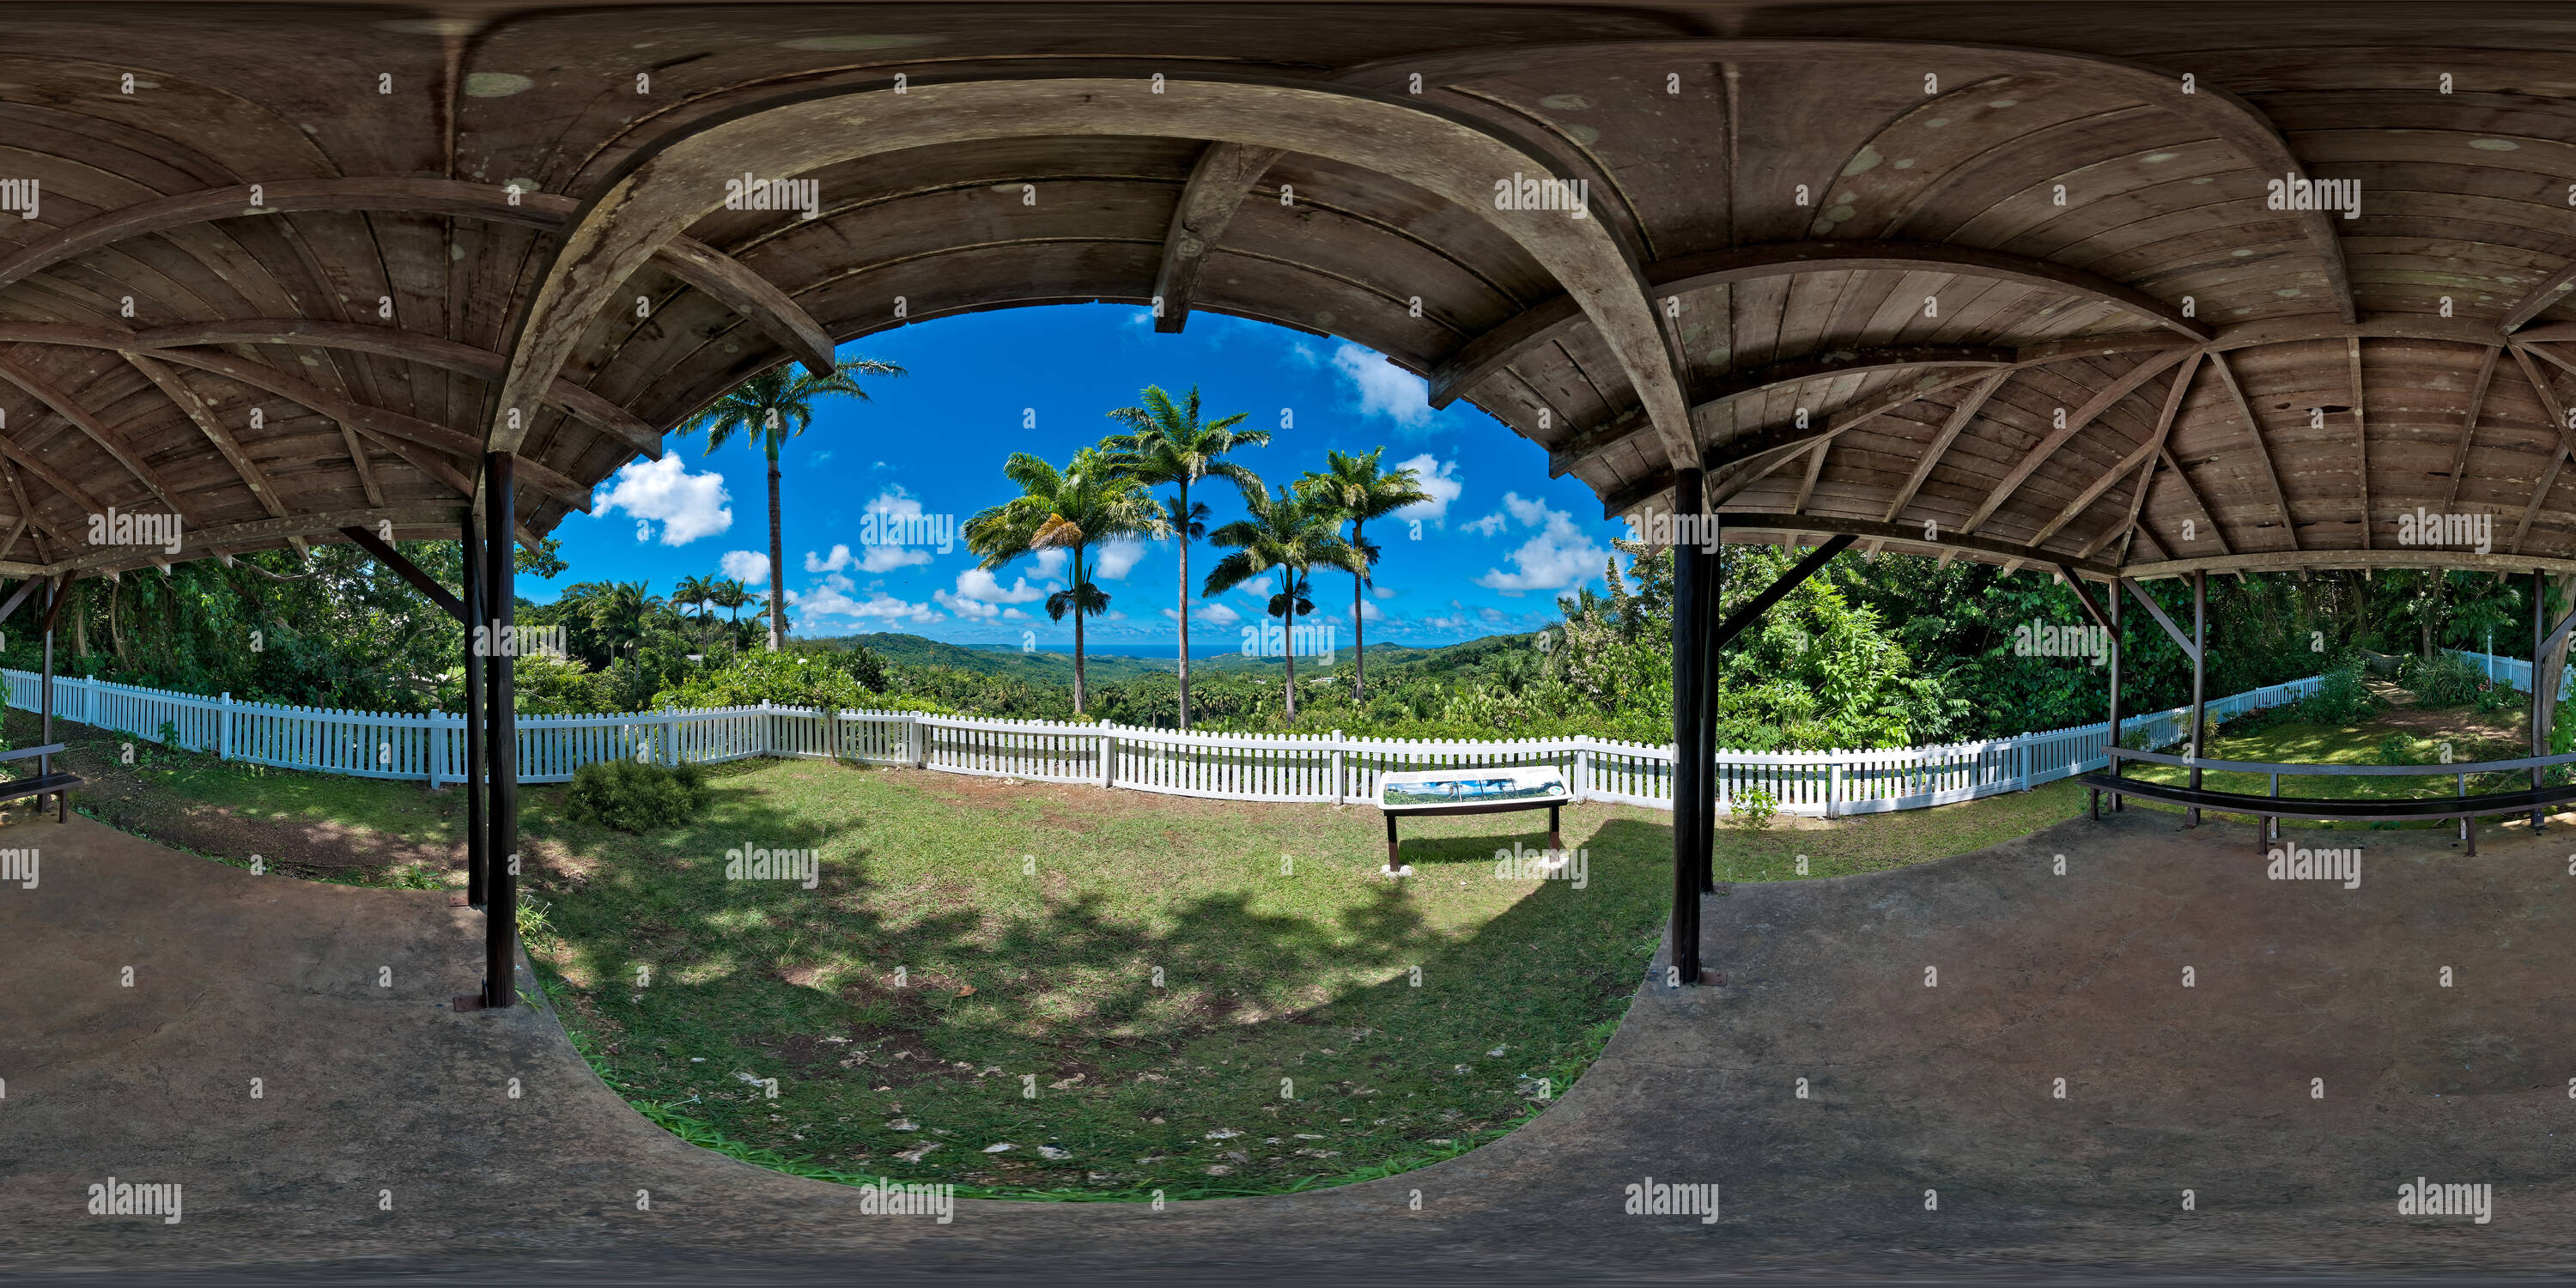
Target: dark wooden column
{"type": "Point", "coordinates": [501, 846]}
{"type": "Point", "coordinates": [2541, 692]}
{"type": "Point", "coordinates": [478, 854]}
{"type": "Point", "coordinates": [2199, 674]}
{"type": "Point", "coordinates": [1711, 605]}
{"type": "Point", "coordinates": [2113, 594]}
{"type": "Point", "coordinates": [1690, 755]}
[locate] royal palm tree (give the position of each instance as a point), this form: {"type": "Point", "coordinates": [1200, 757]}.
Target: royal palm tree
{"type": "Point", "coordinates": [769, 409]}
{"type": "Point", "coordinates": [1293, 534]}
{"type": "Point", "coordinates": [697, 593]}
{"type": "Point", "coordinates": [1166, 443]}
{"type": "Point", "coordinates": [731, 595]}
{"type": "Point", "coordinates": [623, 613]}
{"type": "Point", "coordinates": [1073, 510]}
{"type": "Point", "coordinates": [1360, 491]}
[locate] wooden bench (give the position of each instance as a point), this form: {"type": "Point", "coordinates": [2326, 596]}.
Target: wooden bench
{"type": "Point", "coordinates": [1549, 786]}
{"type": "Point", "coordinates": [45, 783]}
{"type": "Point", "coordinates": [2268, 808]}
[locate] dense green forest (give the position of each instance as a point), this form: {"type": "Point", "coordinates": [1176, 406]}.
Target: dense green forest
{"type": "Point", "coordinates": [1871, 652]}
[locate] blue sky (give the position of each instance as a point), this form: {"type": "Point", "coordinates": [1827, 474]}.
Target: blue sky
{"type": "Point", "coordinates": [1500, 542]}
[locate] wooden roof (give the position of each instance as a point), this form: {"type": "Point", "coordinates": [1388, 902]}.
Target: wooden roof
{"type": "Point", "coordinates": [1995, 269]}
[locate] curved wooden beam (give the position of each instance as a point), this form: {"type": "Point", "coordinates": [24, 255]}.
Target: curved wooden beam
{"type": "Point", "coordinates": [430, 520]}
{"type": "Point", "coordinates": [380, 423]}
{"type": "Point", "coordinates": [700, 265]}
{"type": "Point", "coordinates": [2232, 119]}
{"type": "Point", "coordinates": [98, 431]}
{"type": "Point", "coordinates": [1907, 536]}
{"type": "Point", "coordinates": [2383, 557]}
{"type": "Point", "coordinates": [665, 187]}
{"type": "Point", "coordinates": [187, 401]}
{"type": "Point", "coordinates": [407, 346]}
{"type": "Point", "coordinates": [1552, 320]}
{"type": "Point", "coordinates": [1224, 176]}
{"type": "Point", "coordinates": [1586, 444]}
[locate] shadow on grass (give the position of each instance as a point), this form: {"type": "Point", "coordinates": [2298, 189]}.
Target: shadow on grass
{"type": "Point", "coordinates": [1117, 1041]}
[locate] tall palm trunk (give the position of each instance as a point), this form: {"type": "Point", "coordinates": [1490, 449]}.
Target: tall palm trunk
{"type": "Point", "coordinates": [1288, 644]}
{"type": "Point", "coordinates": [1185, 603]}
{"type": "Point", "coordinates": [1359, 633]}
{"type": "Point", "coordinates": [777, 557]}
{"type": "Point", "coordinates": [1077, 630]}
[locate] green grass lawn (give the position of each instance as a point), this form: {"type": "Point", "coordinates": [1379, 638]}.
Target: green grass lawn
{"type": "Point", "coordinates": [2414, 735]}
{"type": "Point", "coordinates": [1134, 992]}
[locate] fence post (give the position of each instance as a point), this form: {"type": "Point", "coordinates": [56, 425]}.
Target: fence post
{"type": "Point", "coordinates": [224, 728]}
{"type": "Point", "coordinates": [1341, 772]}
{"type": "Point", "coordinates": [1108, 753]}
{"type": "Point", "coordinates": [1582, 786]}
{"type": "Point", "coordinates": [1833, 786]}
{"type": "Point", "coordinates": [437, 746]}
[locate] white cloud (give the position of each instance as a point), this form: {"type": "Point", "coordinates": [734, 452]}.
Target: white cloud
{"type": "Point", "coordinates": [1384, 388]}
{"type": "Point", "coordinates": [980, 596]}
{"type": "Point", "coordinates": [1561, 555]}
{"type": "Point", "coordinates": [1218, 615]}
{"type": "Point", "coordinates": [1382, 591]}
{"type": "Point", "coordinates": [1490, 525]}
{"type": "Point", "coordinates": [750, 567]}
{"type": "Point", "coordinates": [978, 583]}
{"type": "Point", "coordinates": [964, 607]}
{"type": "Point", "coordinates": [877, 559]}
{"type": "Point", "coordinates": [1115, 558]}
{"type": "Point", "coordinates": [830, 602]}
{"type": "Point", "coordinates": [1372, 613]}
{"type": "Point", "coordinates": [1438, 480]}
{"type": "Point", "coordinates": [1257, 587]}
{"type": "Point", "coordinates": [688, 506]}
{"type": "Point", "coordinates": [1051, 563]}
{"type": "Point", "coordinates": [1014, 615]}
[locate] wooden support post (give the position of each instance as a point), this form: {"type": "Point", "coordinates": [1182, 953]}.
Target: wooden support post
{"type": "Point", "coordinates": [1690, 758]}
{"type": "Point", "coordinates": [2199, 675]}
{"type": "Point", "coordinates": [2114, 606]}
{"type": "Point", "coordinates": [501, 909]}
{"type": "Point", "coordinates": [1712, 597]}
{"type": "Point", "coordinates": [478, 854]}
{"type": "Point", "coordinates": [2540, 694]}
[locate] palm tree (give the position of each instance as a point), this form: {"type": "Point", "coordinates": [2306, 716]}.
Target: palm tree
{"type": "Point", "coordinates": [1355, 486]}
{"type": "Point", "coordinates": [695, 592]}
{"type": "Point", "coordinates": [766, 410]}
{"type": "Point", "coordinates": [1291, 533]}
{"type": "Point", "coordinates": [731, 595]}
{"type": "Point", "coordinates": [1088, 503]}
{"type": "Point", "coordinates": [1168, 444]}
{"type": "Point", "coordinates": [623, 612]}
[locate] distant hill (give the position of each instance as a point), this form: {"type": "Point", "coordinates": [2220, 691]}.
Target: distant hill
{"type": "Point", "coordinates": [1057, 668]}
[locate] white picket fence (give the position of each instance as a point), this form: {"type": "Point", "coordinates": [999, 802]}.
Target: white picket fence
{"type": "Point", "coordinates": [2513, 672]}
{"type": "Point", "coordinates": [1259, 767]}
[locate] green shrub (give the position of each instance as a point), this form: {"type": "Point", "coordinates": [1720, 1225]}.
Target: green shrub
{"type": "Point", "coordinates": [632, 796]}
{"type": "Point", "coordinates": [2446, 680]}
{"type": "Point", "coordinates": [785, 679]}
{"type": "Point", "coordinates": [1754, 809]}
{"type": "Point", "coordinates": [2341, 699]}
{"type": "Point", "coordinates": [2392, 750]}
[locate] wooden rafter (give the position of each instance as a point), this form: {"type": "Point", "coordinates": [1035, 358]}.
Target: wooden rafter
{"type": "Point", "coordinates": [2262, 453]}
{"type": "Point", "coordinates": [2469, 427]}
{"type": "Point", "coordinates": [2146, 453]}
{"type": "Point", "coordinates": [2031, 460]}
{"type": "Point", "coordinates": [1960, 415]}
